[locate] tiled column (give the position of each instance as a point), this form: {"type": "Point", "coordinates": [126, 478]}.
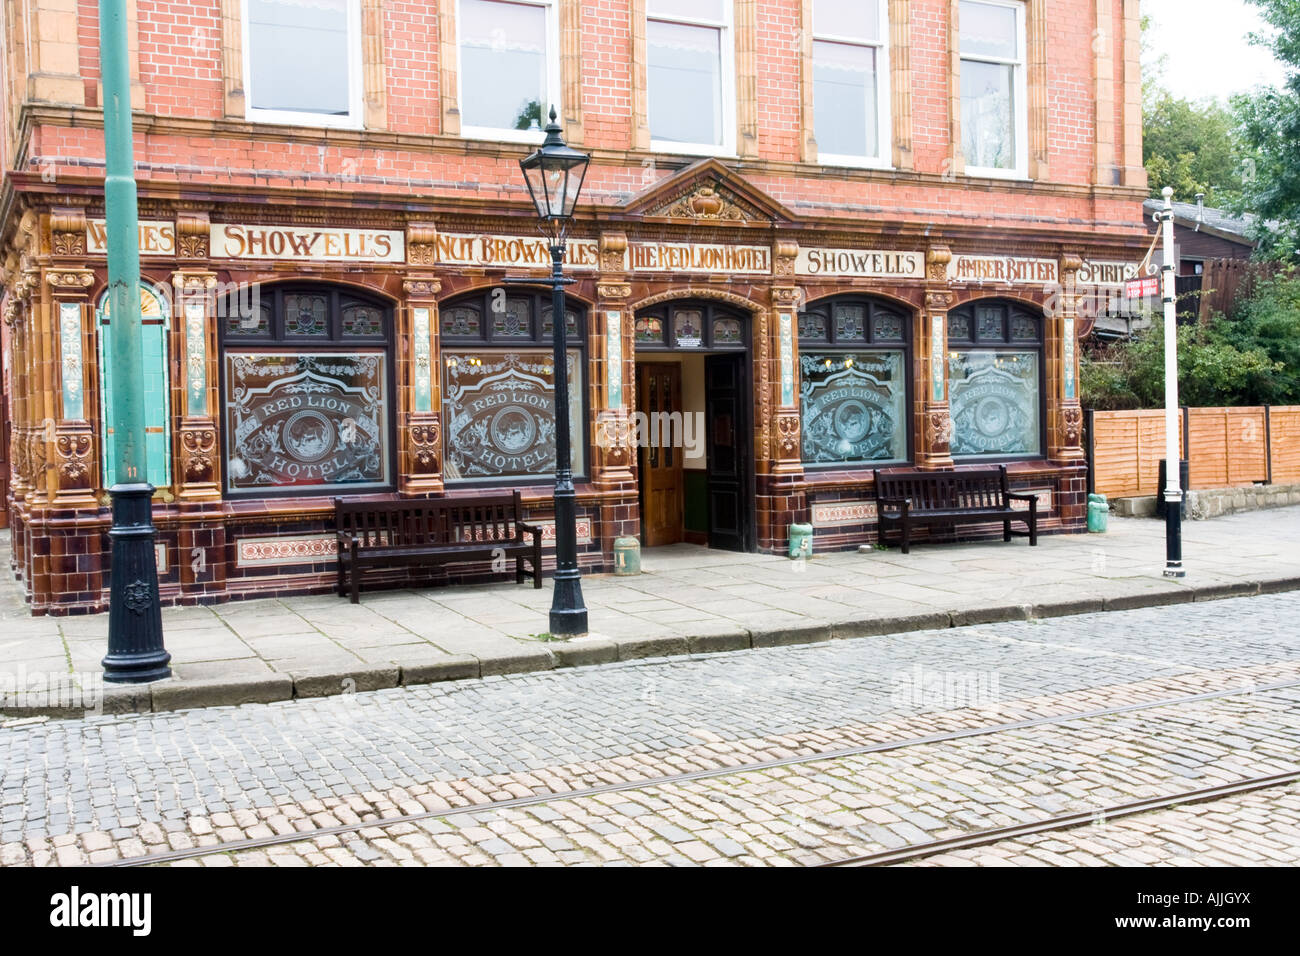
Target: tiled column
{"type": "Point", "coordinates": [420, 388]}
{"type": "Point", "coordinates": [778, 458]}
{"type": "Point", "coordinates": [196, 334]}
{"type": "Point", "coordinates": [1065, 414]}
{"type": "Point", "coordinates": [612, 361]}
{"type": "Point", "coordinates": [930, 346]}
{"type": "Point", "coordinates": [73, 466]}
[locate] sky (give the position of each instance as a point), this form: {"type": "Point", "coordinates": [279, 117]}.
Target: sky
{"type": "Point", "coordinates": [1207, 53]}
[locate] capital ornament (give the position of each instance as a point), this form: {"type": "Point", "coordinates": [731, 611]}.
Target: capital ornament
{"type": "Point", "coordinates": [1072, 421]}
{"type": "Point", "coordinates": [74, 459]}
{"type": "Point", "coordinates": [425, 441]}
{"type": "Point", "coordinates": [198, 451]}
{"type": "Point", "coordinates": [938, 425]}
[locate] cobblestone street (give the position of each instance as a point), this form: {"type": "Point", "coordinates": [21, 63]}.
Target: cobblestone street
{"type": "Point", "coordinates": [776, 756]}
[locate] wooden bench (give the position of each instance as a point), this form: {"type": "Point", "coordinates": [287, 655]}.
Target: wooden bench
{"type": "Point", "coordinates": [431, 532]}
{"type": "Point", "coordinates": [909, 498]}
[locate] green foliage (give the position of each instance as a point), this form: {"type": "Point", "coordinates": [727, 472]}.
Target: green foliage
{"type": "Point", "coordinates": [1213, 370]}
{"type": "Point", "coordinates": [1269, 124]}
{"type": "Point", "coordinates": [1269, 321]}
{"type": "Point", "coordinates": [1192, 147]}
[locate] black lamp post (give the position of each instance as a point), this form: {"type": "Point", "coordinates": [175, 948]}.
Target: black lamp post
{"type": "Point", "coordinates": [554, 175]}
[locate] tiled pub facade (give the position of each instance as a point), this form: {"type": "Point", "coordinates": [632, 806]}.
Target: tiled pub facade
{"type": "Point", "coordinates": [369, 262]}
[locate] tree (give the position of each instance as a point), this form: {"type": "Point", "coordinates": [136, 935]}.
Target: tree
{"type": "Point", "coordinates": [1192, 147]}
{"type": "Point", "coordinates": [1269, 122]}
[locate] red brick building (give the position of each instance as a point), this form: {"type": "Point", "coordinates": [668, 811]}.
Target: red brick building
{"type": "Point", "coordinates": [834, 236]}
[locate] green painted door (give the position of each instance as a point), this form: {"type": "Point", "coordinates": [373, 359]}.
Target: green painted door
{"type": "Point", "coordinates": [157, 420]}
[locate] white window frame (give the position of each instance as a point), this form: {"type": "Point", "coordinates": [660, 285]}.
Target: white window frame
{"type": "Point", "coordinates": [1021, 91]}
{"type": "Point", "coordinates": [884, 93]}
{"type": "Point", "coordinates": [355, 118]}
{"type": "Point", "coordinates": [727, 50]}
{"type": "Point", "coordinates": [552, 80]}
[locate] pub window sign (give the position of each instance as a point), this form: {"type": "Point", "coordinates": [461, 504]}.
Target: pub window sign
{"type": "Point", "coordinates": [307, 420]}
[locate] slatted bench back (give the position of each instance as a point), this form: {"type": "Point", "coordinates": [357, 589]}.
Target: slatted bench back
{"type": "Point", "coordinates": [946, 490]}
{"type": "Point", "coordinates": [438, 522]}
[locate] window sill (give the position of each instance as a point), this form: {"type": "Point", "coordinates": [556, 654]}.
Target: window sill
{"type": "Point", "coordinates": [1009, 175]}
{"type": "Point", "coordinates": [315, 120]}
{"type": "Point", "coordinates": [853, 162]}
{"type": "Point", "coordinates": [692, 149]}
{"type": "Point", "coordinates": [487, 134]}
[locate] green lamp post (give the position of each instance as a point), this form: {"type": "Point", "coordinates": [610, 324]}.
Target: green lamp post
{"type": "Point", "coordinates": [135, 639]}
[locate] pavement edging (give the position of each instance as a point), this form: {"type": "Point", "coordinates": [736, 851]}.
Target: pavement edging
{"type": "Point", "coordinates": [174, 694]}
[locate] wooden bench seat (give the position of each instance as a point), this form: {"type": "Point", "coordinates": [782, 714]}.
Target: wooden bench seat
{"type": "Point", "coordinates": [374, 535]}
{"type": "Point", "coordinates": [906, 499]}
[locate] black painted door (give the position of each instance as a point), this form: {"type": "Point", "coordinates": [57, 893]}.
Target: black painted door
{"type": "Point", "coordinates": [729, 457]}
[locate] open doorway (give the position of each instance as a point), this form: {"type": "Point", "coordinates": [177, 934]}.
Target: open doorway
{"type": "Point", "coordinates": [694, 455]}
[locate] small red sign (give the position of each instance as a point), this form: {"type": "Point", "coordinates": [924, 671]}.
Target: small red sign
{"type": "Point", "coordinates": [1141, 288]}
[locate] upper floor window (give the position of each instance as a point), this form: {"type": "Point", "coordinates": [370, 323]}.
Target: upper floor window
{"type": "Point", "coordinates": [994, 113]}
{"type": "Point", "coordinates": [302, 61]}
{"type": "Point", "coordinates": [509, 67]}
{"type": "Point", "coordinates": [851, 81]}
{"type": "Point", "coordinates": [690, 73]}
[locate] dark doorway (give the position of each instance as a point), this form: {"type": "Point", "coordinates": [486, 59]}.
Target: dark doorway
{"type": "Point", "coordinates": [731, 526]}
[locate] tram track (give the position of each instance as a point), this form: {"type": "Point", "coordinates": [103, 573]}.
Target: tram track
{"type": "Point", "coordinates": [1063, 821]}
{"type": "Point", "coordinates": [653, 782]}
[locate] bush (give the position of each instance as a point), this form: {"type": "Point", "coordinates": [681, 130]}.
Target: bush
{"type": "Point", "coordinates": [1213, 370]}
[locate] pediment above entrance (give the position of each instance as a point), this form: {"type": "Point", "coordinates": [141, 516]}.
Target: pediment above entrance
{"type": "Point", "coordinates": [707, 192]}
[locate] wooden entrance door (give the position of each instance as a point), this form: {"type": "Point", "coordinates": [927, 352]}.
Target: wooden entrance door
{"type": "Point", "coordinates": [659, 395]}
{"type": "Point", "coordinates": [730, 499]}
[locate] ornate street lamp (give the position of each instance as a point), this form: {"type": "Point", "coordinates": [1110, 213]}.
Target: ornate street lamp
{"type": "Point", "coordinates": [554, 176]}
{"type": "Point", "coordinates": [135, 639]}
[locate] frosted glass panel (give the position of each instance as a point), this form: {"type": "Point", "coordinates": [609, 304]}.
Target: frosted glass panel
{"type": "Point", "coordinates": [995, 403]}
{"type": "Point", "coordinates": [499, 409]}
{"type": "Point", "coordinates": [853, 406]}
{"type": "Point", "coordinates": [306, 420]}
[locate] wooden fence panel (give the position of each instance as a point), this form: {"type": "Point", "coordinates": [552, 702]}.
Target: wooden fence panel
{"type": "Point", "coordinates": [1227, 447]}
{"type": "Point", "coordinates": [1127, 448]}
{"type": "Point", "coordinates": [1284, 443]}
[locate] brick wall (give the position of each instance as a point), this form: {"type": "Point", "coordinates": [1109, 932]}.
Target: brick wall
{"type": "Point", "coordinates": [181, 71]}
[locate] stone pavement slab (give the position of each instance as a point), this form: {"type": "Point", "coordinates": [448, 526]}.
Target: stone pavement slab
{"type": "Point", "coordinates": [687, 600]}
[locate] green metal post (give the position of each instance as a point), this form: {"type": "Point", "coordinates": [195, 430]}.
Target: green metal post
{"type": "Point", "coordinates": [135, 638]}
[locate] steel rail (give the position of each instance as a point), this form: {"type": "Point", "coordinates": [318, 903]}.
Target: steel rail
{"type": "Point", "coordinates": [1063, 821]}
{"type": "Point", "coordinates": [647, 783]}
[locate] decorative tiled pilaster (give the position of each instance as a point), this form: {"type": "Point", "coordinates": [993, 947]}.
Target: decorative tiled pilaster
{"type": "Point", "coordinates": [1064, 413]}
{"type": "Point", "coordinates": [420, 421]}
{"type": "Point", "coordinates": [934, 431]}
{"type": "Point", "coordinates": [195, 336]}
{"type": "Point", "coordinates": [68, 441]}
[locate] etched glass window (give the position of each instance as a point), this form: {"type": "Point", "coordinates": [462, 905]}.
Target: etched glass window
{"type": "Point", "coordinates": [995, 403]}
{"type": "Point", "coordinates": [306, 390]}
{"type": "Point", "coordinates": [306, 419]}
{"type": "Point", "coordinates": [853, 406]}
{"type": "Point", "coordinates": [499, 413]}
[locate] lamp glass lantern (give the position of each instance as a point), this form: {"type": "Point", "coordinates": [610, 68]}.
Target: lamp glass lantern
{"type": "Point", "coordinates": [554, 175]}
